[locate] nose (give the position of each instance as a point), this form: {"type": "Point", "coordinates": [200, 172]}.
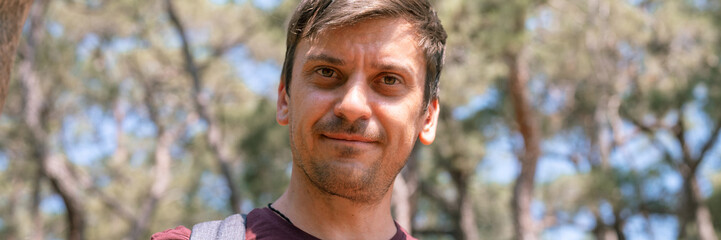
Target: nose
{"type": "Point", "coordinates": [353, 103]}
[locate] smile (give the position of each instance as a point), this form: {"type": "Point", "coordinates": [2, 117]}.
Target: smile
{"type": "Point", "coordinates": [350, 138]}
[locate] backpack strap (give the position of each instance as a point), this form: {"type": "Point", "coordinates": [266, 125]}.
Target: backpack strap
{"type": "Point", "coordinates": [231, 228]}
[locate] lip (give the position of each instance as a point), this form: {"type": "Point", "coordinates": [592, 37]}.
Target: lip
{"type": "Point", "coordinates": [348, 138]}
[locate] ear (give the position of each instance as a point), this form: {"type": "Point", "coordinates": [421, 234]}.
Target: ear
{"type": "Point", "coordinates": [281, 113]}
{"type": "Point", "coordinates": [428, 133]}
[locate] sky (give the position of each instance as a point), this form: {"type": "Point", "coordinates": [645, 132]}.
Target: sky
{"type": "Point", "coordinates": [93, 137]}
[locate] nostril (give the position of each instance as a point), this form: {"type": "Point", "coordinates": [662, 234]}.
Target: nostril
{"type": "Point", "coordinates": [353, 105]}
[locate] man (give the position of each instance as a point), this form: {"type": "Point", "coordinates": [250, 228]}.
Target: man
{"type": "Point", "coordinates": [359, 86]}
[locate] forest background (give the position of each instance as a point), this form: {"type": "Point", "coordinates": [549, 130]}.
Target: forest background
{"type": "Point", "coordinates": [561, 119]}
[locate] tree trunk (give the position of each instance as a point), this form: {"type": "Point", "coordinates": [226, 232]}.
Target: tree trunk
{"type": "Point", "coordinates": [703, 220]}
{"type": "Point", "coordinates": [36, 107]}
{"type": "Point", "coordinates": [37, 197]}
{"type": "Point", "coordinates": [467, 214]}
{"type": "Point", "coordinates": [11, 225]}
{"type": "Point", "coordinates": [528, 126]}
{"type": "Point", "coordinates": [461, 168]}
{"type": "Point", "coordinates": [602, 231]}
{"type": "Point", "coordinates": [161, 173]}
{"type": "Point", "coordinates": [618, 225]}
{"type": "Point", "coordinates": [12, 18]}
{"type": "Point", "coordinates": [695, 210]}
{"type": "Point", "coordinates": [214, 135]}
{"type": "Point", "coordinates": [70, 190]}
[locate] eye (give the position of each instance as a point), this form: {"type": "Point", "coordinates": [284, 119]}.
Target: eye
{"type": "Point", "coordinates": [389, 80]}
{"type": "Point", "coordinates": [325, 72]}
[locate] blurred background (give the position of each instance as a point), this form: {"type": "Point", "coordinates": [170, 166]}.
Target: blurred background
{"type": "Point", "coordinates": [561, 119]}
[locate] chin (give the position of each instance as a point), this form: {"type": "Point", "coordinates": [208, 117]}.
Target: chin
{"type": "Point", "coordinates": [352, 181]}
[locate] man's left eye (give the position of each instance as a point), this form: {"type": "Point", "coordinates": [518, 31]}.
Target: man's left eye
{"type": "Point", "coordinates": [389, 80]}
{"type": "Point", "coordinates": [325, 72]}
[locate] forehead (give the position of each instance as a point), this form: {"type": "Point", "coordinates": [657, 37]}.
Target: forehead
{"type": "Point", "coordinates": [373, 40]}
{"type": "Point", "coordinates": [391, 27]}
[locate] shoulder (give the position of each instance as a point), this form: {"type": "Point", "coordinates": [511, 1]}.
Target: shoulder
{"type": "Point", "coordinates": [178, 233]}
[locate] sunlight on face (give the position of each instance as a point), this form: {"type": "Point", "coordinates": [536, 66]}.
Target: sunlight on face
{"type": "Point", "coordinates": [355, 111]}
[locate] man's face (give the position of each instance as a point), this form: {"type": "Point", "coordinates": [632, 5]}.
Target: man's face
{"type": "Point", "coordinates": [355, 107]}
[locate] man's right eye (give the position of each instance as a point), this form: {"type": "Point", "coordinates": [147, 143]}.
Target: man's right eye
{"type": "Point", "coordinates": [326, 72]}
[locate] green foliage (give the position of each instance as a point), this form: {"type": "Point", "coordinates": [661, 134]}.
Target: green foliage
{"type": "Point", "coordinates": [113, 76]}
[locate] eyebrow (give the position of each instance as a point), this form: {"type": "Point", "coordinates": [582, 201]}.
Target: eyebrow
{"type": "Point", "coordinates": [322, 57]}
{"type": "Point", "coordinates": [392, 67]}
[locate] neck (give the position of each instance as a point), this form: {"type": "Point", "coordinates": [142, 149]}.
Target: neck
{"type": "Point", "coordinates": [327, 216]}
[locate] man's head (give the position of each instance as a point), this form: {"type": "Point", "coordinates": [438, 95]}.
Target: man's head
{"type": "Point", "coordinates": [312, 17]}
{"type": "Point", "coordinates": [358, 89]}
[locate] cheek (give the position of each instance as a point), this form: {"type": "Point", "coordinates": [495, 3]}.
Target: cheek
{"type": "Point", "coordinates": [401, 124]}
{"type": "Point", "coordinates": [307, 108]}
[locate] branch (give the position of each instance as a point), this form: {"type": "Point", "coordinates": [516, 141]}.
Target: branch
{"type": "Point", "coordinates": [214, 134]}
{"type": "Point", "coordinates": [666, 154]}
{"type": "Point", "coordinates": [651, 130]}
{"type": "Point", "coordinates": [713, 138]}
{"type": "Point", "coordinates": [190, 65]}
{"type": "Point", "coordinates": [162, 156]}
{"type": "Point", "coordinates": [113, 204]}
{"type": "Point", "coordinates": [223, 49]}
{"type": "Point", "coordinates": [120, 155]}
{"type": "Point", "coordinates": [680, 128]}
{"type": "Point", "coordinates": [161, 167]}
{"type": "Point", "coordinates": [646, 129]}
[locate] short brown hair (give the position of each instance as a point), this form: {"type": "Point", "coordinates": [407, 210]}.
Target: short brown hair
{"type": "Point", "coordinates": [313, 16]}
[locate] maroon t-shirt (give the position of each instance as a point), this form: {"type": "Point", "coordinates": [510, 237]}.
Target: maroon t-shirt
{"type": "Point", "coordinates": [263, 223]}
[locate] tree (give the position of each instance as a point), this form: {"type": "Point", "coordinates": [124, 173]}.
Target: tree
{"type": "Point", "coordinates": [514, 52]}
{"type": "Point", "coordinates": [116, 116]}
{"type": "Point", "coordinates": [620, 67]}
{"type": "Point", "coordinates": [677, 73]}
{"type": "Point", "coordinates": [12, 17]}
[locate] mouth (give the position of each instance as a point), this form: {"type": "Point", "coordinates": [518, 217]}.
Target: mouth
{"type": "Point", "coordinates": [350, 138]}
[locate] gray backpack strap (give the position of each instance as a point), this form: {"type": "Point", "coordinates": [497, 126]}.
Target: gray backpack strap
{"type": "Point", "coordinates": [231, 228]}
{"type": "Point", "coordinates": [205, 230]}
